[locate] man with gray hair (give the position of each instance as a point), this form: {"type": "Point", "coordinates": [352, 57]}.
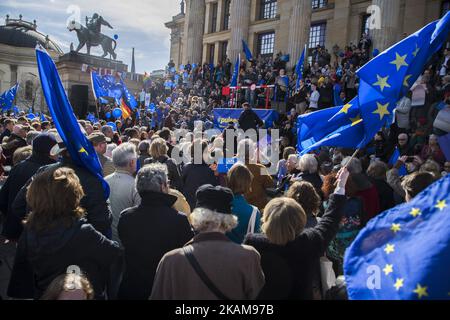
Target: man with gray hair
{"type": "Point", "coordinates": [148, 231]}
{"type": "Point", "coordinates": [123, 192]}
{"type": "Point", "coordinates": [107, 130]}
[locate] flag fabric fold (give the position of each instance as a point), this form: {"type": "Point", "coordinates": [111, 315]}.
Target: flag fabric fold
{"type": "Point", "coordinates": [404, 253]}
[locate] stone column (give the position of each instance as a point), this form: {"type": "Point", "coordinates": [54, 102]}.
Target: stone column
{"type": "Point", "coordinates": [389, 16]}
{"type": "Point", "coordinates": [299, 27]}
{"type": "Point", "coordinates": [239, 25]}
{"type": "Point", "coordinates": [193, 31]}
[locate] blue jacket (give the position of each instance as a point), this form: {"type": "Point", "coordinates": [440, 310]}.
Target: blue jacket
{"type": "Point", "coordinates": [243, 211]}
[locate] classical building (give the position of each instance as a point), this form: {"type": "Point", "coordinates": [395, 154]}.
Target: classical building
{"type": "Point", "coordinates": [212, 30]}
{"type": "Point", "coordinates": [18, 39]}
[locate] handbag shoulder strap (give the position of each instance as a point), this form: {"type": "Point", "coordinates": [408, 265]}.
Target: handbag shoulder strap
{"type": "Point", "coordinates": [188, 251]}
{"type": "Point", "coordinates": [252, 221]}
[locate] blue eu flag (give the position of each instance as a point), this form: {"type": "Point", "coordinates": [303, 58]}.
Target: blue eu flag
{"type": "Point", "coordinates": [383, 81]}
{"type": "Point", "coordinates": [234, 79]}
{"type": "Point", "coordinates": [7, 98]}
{"type": "Point", "coordinates": [248, 53]}
{"type": "Point", "coordinates": [404, 253]}
{"type": "Point", "coordinates": [129, 98]}
{"type": "Point", "coordinates": [299, 69]}
{"type": "Point", "coordinates": [81, 150]}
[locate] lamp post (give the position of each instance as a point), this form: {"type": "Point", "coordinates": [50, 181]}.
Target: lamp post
{"type": "Point", "coordinates": [35, 92]}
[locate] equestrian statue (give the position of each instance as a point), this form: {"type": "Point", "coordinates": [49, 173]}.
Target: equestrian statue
{"type": "Point", "coordinates": [91, 35]}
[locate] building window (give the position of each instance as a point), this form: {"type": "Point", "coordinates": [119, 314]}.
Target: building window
{"type": "Point", "coordinates": [226, 15]}
{"type": "Point", "coordinates": [317, 35]}
{"type": "Point", "coordinates": [211, 53]}
{"type": "Point", "coordinates": [223, 51]}
{"type": "Point", "coordinates": [365, 24]}
{"type": "Point", "coordinates": [214, 8]}
{"type": "Point", "coordinates": [266, 43]}
{"type": "Point", "coordinates": [29, 90]}
{"type": "Point", "coordinates": [445, 7]}
{"type": "Point", "coordinates": [318, 4]}
{"type": "Point", "coordinates": [268, 9]}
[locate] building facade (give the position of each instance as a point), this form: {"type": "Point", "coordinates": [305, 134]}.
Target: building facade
{"type": "Point", "coordinates": [212, 30]}
{"type": "Point", "coordinates": [18, 39]}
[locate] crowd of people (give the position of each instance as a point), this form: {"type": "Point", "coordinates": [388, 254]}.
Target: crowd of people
{"type": "Point", "coordinates": [188, 229]}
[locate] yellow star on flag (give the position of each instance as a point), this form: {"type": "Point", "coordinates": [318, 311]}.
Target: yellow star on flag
{"type": "Point", "coordinates": [441, 205]}
{"type": "Point", "coordinates": [398, 284]}
{"type": "Point", "coordinates": [415, 212]}
{"type": "Point", "coordinates": [415, 52]}
{"type": "Point", "coordinates": [405, 81]}
{"type": "Point", "coordinates": [82, 150]}
{"type": "Point", "coordinates": [345, 108]}
{"type": "Point", "coordinates": [395, 227]}
{"type": "Point", "coordinates": [389, 248]}
{"type": "Point", "coordinates": [356, 120]}
{"type": "Point", "coordinates": [382, 110]}
{"type": "Point", "coordinates": [388, 269]}
{"type": "Point", "coordinates": [399, 61]}
{"type": "Point", "coordinates": [382, 82]}
{"type": "Point", "coordinates": [421, 291]}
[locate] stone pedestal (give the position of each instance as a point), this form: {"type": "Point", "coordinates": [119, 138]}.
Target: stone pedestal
{"type": "Point", "coordinates": [73, 69]}
{"type": "Point", "coordinates": [239, 25]}
{"type": "Point", "coordinates": [389, 33]}
{"type": "Point", "coordinates": [299, 27]}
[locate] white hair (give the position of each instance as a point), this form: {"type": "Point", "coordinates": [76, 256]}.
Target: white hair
{"type": "Point", "coordinates": [308, 163]}
{"type": "Point", "coordinates": [151, 178]}
{"type": "Point", "coordinates": [354, 165]}
{"type": "Point", "coordinates": [123, 154]}
{"type": "Point", "coordinates": [206, 220]}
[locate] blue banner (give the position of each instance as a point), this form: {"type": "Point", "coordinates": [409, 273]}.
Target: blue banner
{"type": "Point", "coordinates": [222, 117]}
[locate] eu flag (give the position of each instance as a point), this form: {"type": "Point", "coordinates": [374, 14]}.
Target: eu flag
{"type": "Point", "coordinates": [394, 158]}
{"type": "Point", "coordinates": [248, 53]}
{"type": "Point", "coordinates": [7, 98]}
{"type": "Point", "coordinates": [299, 69]}
{"type": "Point", "coordinates": [129, 98]}
{"type": "Point", "coordinates": [81, 150]}
{"type": "Point", "coordinates": [105, 86]}
{"type": "Point", "coordinates": [404, 253]}
{"type": "Point", "coordinates": [234, 79]}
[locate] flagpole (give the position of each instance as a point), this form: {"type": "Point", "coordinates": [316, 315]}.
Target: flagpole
{"type": "Point", "coordinates": [237, 83]}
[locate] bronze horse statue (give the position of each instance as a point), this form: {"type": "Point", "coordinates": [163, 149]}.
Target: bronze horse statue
{"type": "Point", "coordinates": [93, 39]}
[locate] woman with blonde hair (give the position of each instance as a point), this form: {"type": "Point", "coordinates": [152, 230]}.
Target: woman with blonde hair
{"type": "Point", "coordinates": [289, 252]}
{"type": "Point", "coordinates": [56, 236]}
{"type": "Point", "coordinates": [158, 152]}
{"type": "Point", "coordinates": [249, 217]}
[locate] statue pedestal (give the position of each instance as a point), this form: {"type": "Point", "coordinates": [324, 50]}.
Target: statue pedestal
{"type": "Point", "coordinates": [74, 70]}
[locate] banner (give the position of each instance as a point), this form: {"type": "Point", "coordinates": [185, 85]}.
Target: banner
{"type": "Point", "coordinates": [147, 99]}
{"type": "Point", "coordinates": [222, 117]}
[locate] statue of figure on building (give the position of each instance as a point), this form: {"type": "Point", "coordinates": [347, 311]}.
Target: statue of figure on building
{"type": "Point", "coordinates": [182, 6]}
{"type": "Point", "coordinates": [91, 35]}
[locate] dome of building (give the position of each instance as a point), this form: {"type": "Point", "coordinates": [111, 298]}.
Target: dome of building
{"type": "Point", "coordinates": [21, 33]}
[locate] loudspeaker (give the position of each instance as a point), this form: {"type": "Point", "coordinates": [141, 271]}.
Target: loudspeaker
{"type": "Point", "coordinates": [79, 99]}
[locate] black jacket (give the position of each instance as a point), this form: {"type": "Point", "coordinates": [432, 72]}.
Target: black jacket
{"type": "Point", "coordinates": [98, 212]}
{"type": "Point", "coordinates": [5, 133]}
{"type": "Point", "coordinates": [249, 120]}
{"type": "Point", "coordinates": [41, 257]}
{"type": "Point", "coordinates": [17, 178]}
{"type": "Point", "coordinates": [194, 176]}
{"type": "Point", "coordinates": [385, 194]}
{"type": "Point", "coordinates": [172, 168]}
{"type": "Point", "coordinates": [147, 232]}
{"type": "Point", "coordinates": [289, 269]}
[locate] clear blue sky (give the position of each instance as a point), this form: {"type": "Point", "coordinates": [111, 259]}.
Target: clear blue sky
{"type": "Point", "coordinates": [138, 23]}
